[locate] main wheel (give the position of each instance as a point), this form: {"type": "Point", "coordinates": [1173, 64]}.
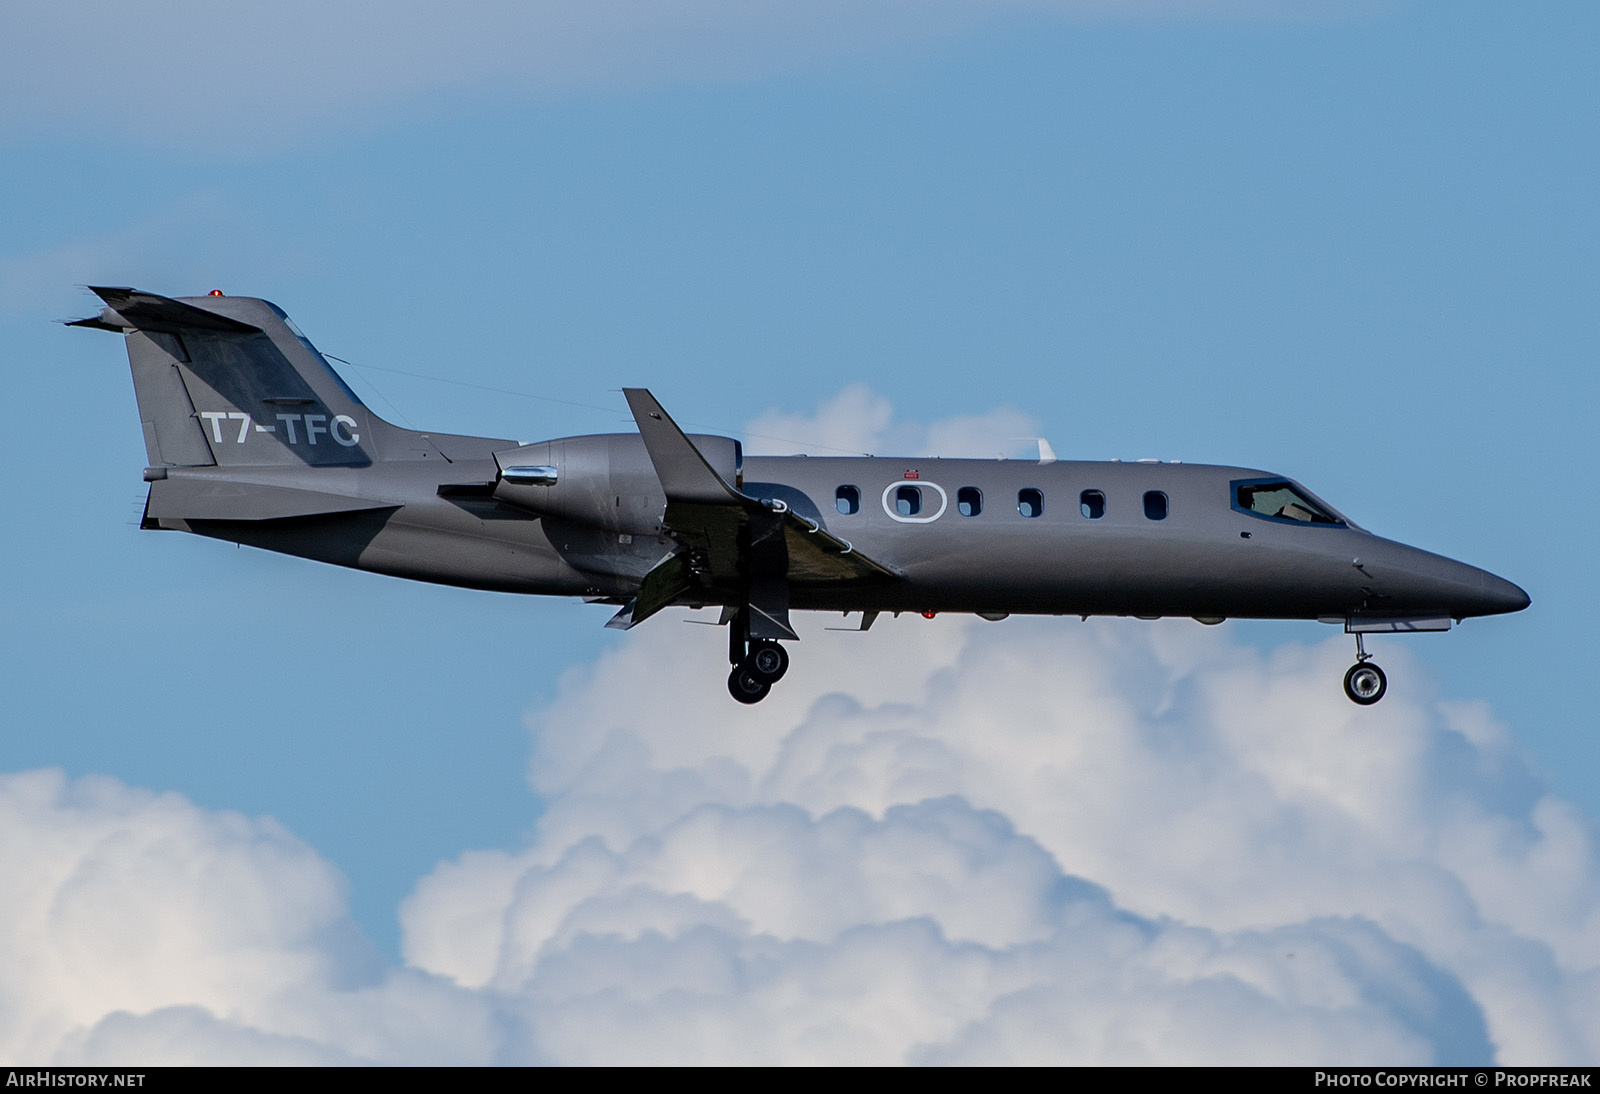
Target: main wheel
{"type": "Point", "coordinates": [768, 660]}
{"type": "Point", "coordinates": [1365, 683]}
{"type": "Point", "coordinates": [746, 686]}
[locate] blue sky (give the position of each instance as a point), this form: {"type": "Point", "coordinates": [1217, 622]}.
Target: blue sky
{"type": "Point", "coordinates": [1350, 243]}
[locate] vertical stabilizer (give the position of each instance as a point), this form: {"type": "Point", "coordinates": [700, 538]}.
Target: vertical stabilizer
{"type": "Point", "coordinates": [230, 381]}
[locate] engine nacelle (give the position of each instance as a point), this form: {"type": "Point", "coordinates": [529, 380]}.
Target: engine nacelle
{"type": "Point", "coordinates": [604, 480]}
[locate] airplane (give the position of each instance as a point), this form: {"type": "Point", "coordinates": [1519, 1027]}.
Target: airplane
{"type": "Point", "coordinates": [252, 438]}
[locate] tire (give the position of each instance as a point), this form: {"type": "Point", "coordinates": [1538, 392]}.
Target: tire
{"type": "Point", "coordinates": [1365, 683]}
{"type": "Point", "coordinates": [767, 661]}
{"type": "Point", "coordinates": [746, 686]}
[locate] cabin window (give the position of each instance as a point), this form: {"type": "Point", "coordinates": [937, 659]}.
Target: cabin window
{"type": "Point", "coordinates": [1155, 505]}
{"type": "Point", "coordinates": [907, 500]}
{"type": "Point", "coordinates": [969, 501]}
{"type": "Point", "coordinates": [1030, 502]}
{"type": "Point", "coordinates": [847, 499]}
{"type": "Point", "coordinates": [1280, 500]}
{"type": "Point", "coordinates": [1092, 504]}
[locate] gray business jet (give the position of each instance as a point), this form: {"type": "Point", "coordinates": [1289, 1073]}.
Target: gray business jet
{"type": "Point", "coordinates": [253, 438]}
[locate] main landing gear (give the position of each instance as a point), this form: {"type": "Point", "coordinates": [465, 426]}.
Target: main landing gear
{"type": "Point", "coordinates": [757, 663]}
{"type": "Point", "coordinates": [1365, 683]}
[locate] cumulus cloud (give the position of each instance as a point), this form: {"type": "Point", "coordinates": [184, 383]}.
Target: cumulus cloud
{"type": "Point", "coordinates": [1043, 841]}
{"type": "Point", "coordinates": [237, 75]}
{"type": "Point", "coordinates": [859, 420]}
{"type": "Point", "coordinates": [937, 842]}
{"type": "Point", "coordinates": [139, 928]}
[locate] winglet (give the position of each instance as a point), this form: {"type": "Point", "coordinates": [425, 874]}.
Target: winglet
{"type": "Point", "coordinates": [684, 473]}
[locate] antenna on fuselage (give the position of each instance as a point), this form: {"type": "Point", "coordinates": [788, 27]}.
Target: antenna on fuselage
{"type": "Point", "coordinates": [1046, 453]}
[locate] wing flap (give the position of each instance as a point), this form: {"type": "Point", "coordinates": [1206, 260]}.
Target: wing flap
{"type": "Point", "coordinates": [815, 555]}
{"type": "Point", "coordinates": [713, 534]}
{"type": "Point", "coordinates": [669, 579]}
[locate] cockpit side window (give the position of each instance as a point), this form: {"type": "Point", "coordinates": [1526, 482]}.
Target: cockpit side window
{"type": "Point", "coordinates": [1279, 499]}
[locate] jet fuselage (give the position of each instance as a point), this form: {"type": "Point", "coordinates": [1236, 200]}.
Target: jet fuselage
{"type": "Point", "coordinates": [253, 438]}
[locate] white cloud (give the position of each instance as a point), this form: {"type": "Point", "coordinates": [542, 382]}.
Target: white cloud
{"type": "Point", "coordinates": [208, 75]}
{"type": "Point", "coordinates": [859, 420]}
{"type": "Point", "coordinates": [942, 841]}
{"type": "Point", "coordinates": [884, 863]}
{"type": "Point", "coordinates": [138, 928]}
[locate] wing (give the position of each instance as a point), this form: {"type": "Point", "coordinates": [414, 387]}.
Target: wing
{"type": "Point", "coordinates": [745, 548]}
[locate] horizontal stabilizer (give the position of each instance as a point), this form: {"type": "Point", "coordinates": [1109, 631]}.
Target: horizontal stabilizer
{"type": "Point", "coordinates": [203, 499]}
{"type": "Point", "coordinates": [147, 311]}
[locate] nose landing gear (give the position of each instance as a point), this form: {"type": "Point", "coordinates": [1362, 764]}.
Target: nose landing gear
{"type": "Point", "coordinates": [1365, 683]}
{"type": "Point", "coordinates": [757, 664]}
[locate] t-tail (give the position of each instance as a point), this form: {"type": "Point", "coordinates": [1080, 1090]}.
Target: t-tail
{"type": "Point", "coordinates": [245, 421]}
{"type": "Point", "coordinates": [229, 381]}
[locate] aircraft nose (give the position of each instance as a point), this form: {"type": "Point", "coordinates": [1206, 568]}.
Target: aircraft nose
{"type": "Point", "coordinates": [1424, 581]}
{"type": "Point", "coordinates": [1500, 595]}
{"type": "Point", "coordinates": [1478, 592]}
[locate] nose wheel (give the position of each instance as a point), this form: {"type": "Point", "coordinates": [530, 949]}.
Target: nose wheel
{"type": "Point", "coordinates": [1365, 683]}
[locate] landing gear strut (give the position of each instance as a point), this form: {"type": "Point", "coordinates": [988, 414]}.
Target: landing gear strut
{"type": "Point", "coordinates": [1365, 683]}
{"type": "Point", "coordinates": [757, 664]}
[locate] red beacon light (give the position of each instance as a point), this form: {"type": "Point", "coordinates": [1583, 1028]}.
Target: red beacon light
{"type": "Point", "coordinates": [214, 292]}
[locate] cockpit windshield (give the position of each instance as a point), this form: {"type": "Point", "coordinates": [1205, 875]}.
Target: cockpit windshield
{"type": "Point", "coordinates": [1280, 499]}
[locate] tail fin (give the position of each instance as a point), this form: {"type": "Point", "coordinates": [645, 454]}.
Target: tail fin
{"type": "Point", "coordinates": [230, 381]}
